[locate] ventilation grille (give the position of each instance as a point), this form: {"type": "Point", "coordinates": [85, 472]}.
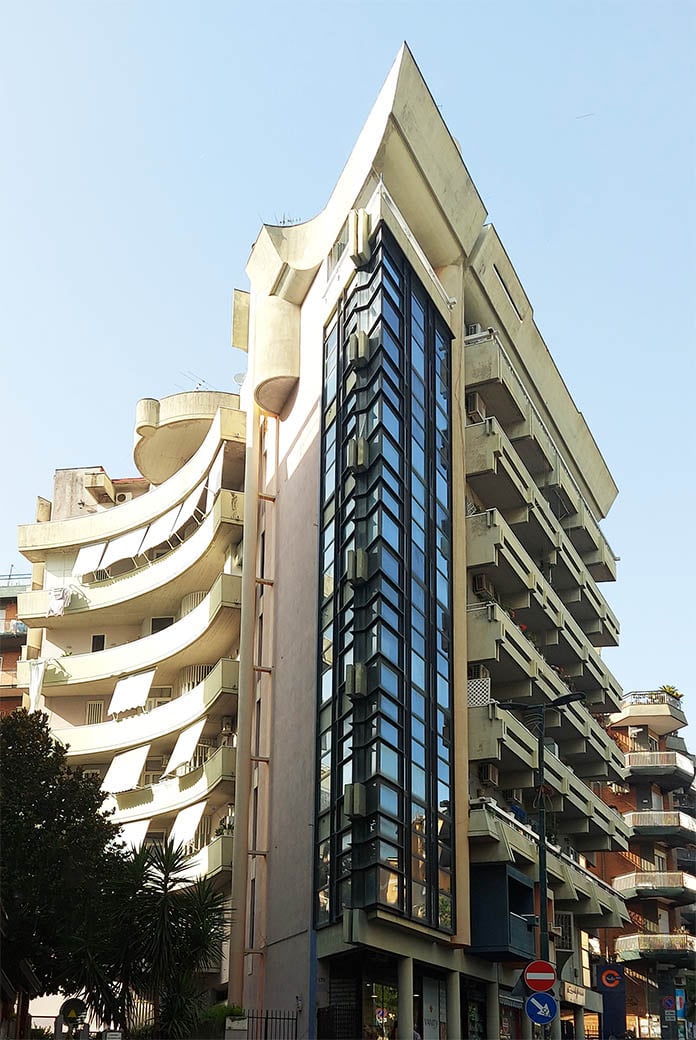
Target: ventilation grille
{"type": "Point", "coordinates": [564, 931]}
{"type": "Point", "coordinates": [478, 692]}
{"type": "Point", "coordinates": [95, 713]}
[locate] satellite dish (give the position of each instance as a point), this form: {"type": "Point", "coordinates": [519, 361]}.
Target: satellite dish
{"type": "Point", "coordinates": [239, 378]}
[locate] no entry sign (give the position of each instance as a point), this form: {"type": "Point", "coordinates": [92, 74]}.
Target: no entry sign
{"type": "Point", "coordinates": [540, 976]}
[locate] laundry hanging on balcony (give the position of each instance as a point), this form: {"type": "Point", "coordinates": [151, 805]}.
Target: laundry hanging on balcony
{"type": "Point", "coordinates": [58, 601]}
{"type": "Point", "coordinates": [184, 747]}
{"type": "Point", "coordinates": [88, 559]}
{"type": "Point", "coordinates": [125, 769]}
{"type": "Point", "coordinates": [37, 669]}
{"type": "Point", "coordinates": [131, 692]}
{"type": "Point", "coordinates": [186, 824]}
{"type": "Point", "coordinates": [134, 833]}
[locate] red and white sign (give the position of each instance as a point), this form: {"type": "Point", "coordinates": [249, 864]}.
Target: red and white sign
{"type": "Point", "coordinates": [540, 976]}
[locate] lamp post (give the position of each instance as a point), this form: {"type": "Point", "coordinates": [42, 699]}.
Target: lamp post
{"type": "Point", "coordinates": [539, 720]}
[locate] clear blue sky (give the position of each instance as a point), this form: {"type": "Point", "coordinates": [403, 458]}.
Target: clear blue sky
{"type": "Point", "coordinates": [144, 143]}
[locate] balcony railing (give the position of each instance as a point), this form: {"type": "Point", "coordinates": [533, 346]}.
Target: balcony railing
{"type": "Point", "coordinates": [654, 879]}
{"type": "Point", "coordinates": [13, 627]}
{"type": "Point", "coordinates": [659, 759]}
{"type": "Point", "coordinates": [8, 581]}
{"type": "Point", "coordinates": [661, 820]}
{"type": "Point", "coordinates": [636, 697]}
{"type": "Point", "coordinates": [654, 943]}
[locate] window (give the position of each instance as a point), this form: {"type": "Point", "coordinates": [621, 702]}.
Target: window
{"type": "Point", "coordinates": [158, 624]}
{"type": "Point", "coordinates": [98, 643]}
{"type": "Point", "coordinates": [94, 713]}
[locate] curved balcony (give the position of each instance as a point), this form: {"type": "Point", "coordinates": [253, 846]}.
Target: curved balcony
{"type": "Point", "coordinates": [209, 632]}
{"type": "Point", "coordinates": [210, 781]}
{"type": "Point", "coordinates": [668, 769]}
{"type": "Point", "coordinates": [661, 712]}
{"type": "Point", "coordinates": [679, 950]}
{"type": "Point", "coordinates": [169, 431]}
{"type": "Point", "coordinates": [670, 828]}
{"type": "Point", "coordinates": [676, 886]}
{"type": "Point", "coordinates": [210, 698]}
{"type": "Point", "coordinates": [37, 540]}
{"type": "Point", "coordinates": [150, 590]}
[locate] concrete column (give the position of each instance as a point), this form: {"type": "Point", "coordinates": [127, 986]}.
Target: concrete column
{"type": "Point", "coordinates": [454, 1007]}
{"type": "Point", "coordinates": [492, 1009]}
{"type": "Point", "coordinates": [555, 1027]}
{"type": "Point", "coordinates": [579, 1022]}
{"type": "Point", "coordinates": [526, 1026]}
{"type": "Point", "coordinates": [405, 1003]}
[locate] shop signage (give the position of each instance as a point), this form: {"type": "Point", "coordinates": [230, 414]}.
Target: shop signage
{"type": "Point", "coordinates": [573, 994]}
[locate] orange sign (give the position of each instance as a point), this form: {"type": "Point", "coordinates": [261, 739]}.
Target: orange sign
{"type": "Point", "coordinates": [610, 978]}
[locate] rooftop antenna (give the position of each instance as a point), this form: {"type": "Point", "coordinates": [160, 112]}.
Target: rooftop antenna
{"type": "Point", "coordinates": [199, 381]}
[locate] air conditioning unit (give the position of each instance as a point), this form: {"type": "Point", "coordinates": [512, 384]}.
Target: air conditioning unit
{"type": "Point", "coordinates": [474, 329]}
{"type": "Point", "coordinates": [513, 794]}
{"type": "Point", "coordinates": [483, 586]}
{"type": "Point", "coordinates": [488, 774]}
{"type": "Point", "coordinates": [475, 407]}
{"type": "Point", "coordinates": [356, 681]}
{"type": "Point", "coordinates": [478, 671]}
{"type": "Point", "coordinates": [123, 496]}
{"type": "Point", "coordinates": [552, 746]}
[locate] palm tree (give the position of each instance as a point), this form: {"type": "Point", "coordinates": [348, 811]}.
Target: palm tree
{"type": "Point", "coordinates": [155, 934]}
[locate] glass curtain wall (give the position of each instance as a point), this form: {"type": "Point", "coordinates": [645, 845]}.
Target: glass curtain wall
{"type": "Point", "coordinates": [385, 786]}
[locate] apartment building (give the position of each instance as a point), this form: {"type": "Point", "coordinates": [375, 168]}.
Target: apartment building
{"type": "Point", "coordinates": [656, 875]}
{"type": "Point", "coordinates": [12, 639]}
{"type": "Point", "coordinates": [314, 637]}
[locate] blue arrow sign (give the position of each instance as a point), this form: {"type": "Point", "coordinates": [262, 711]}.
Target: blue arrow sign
{"type": "Point", "coordinates": [541, 1008]}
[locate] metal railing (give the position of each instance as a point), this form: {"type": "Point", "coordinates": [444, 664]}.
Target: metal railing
{"type": "Point", "coordinates": [680, 943]}
{"type": "Point", "coordinates": [13, 627]}
{"type": "Point", "coordinates": [655, 879]}
{"type": "Point", "coordinates": [636, 697]}
{"type": "Point", "coordinates": [647, 759]}
{"type": "Point", "coordinates": [8, 581]}
{"type": "Point", "coordinates": [661, 819]}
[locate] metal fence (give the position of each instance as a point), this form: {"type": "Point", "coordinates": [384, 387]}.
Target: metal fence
{"type": "Point", "coordinates": [271, 1025]}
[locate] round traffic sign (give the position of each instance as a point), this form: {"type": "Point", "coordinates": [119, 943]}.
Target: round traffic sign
{"type": "Point", "coordinates": [73, 1010]}
{"type": "Point", "coordinates": [540, 976]}
{"type": "Point", "coordinates": [542, 1008]}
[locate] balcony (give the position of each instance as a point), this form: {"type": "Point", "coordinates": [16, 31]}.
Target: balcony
{"type": "Point", "coordinates": [679, 950]}
{"type": "Point", "coordinates": [151, 589]}
{"type": "Point", "coordinates": [209, 632]}
{"type": "Point", "coordinates": [496, 836]}
{"type": "Point", "coordinates": [668, 769]}
{"type": "Point", "coordinates": [171, 430]}
{"type": "Point", "coordinates": [210, 782]}
{"type": "Point", "coordinates": [676, 886]}
{"type": "Point", "coordinates": [669, 828]}
{"type": "Point", "coordinates": [12, 584]}
{"type": "Point", "coordinates": [498, 641]}
{"type": "Point", "coordinates": [493, 549]}
{"type": "Point", "coordinates": [36, 541]}
{"type": "Point", "coordinates": [211, 698]}
{"type": "Point", "coordinates": [214, 859]}
{"type": "Point", "coordinates": [12, 633]}
{"type": "Point", "coordinates": [661, 712]}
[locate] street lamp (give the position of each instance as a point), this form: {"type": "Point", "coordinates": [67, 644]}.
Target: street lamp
{"type": "Point", "coordinates": [539, 714]}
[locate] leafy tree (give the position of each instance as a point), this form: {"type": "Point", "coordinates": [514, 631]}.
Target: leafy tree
{"type": "Point", "coordinates": [58, 851]}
